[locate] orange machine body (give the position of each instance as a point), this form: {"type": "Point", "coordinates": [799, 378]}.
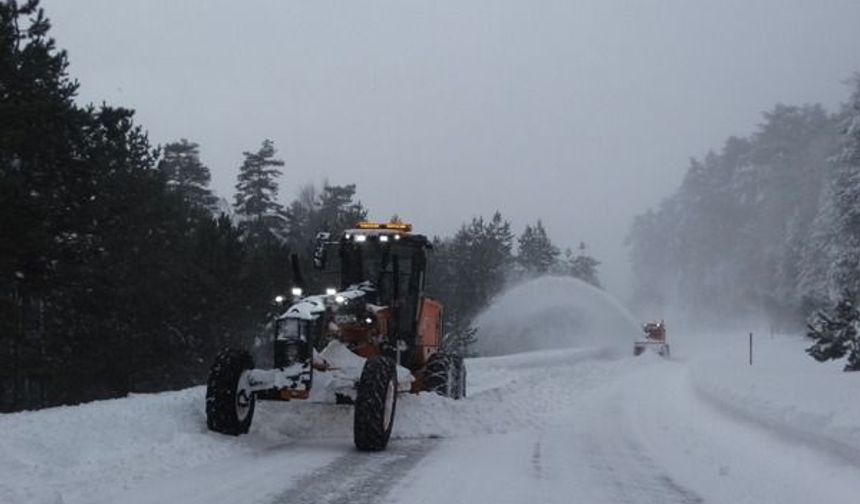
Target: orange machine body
{"type": "Point", "coordinates": [429, 328]}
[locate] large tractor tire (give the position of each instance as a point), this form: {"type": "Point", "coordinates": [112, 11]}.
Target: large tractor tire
{"type": "Point", "coordinates": [229, 405]}
{"type": "Point", "coordinates": [459, 377]}
{"type": "Point", "coordinates": [445, 374]}
{"type": "Point", "coordinates": [439, 374]}
{"type": "Point", "coordinates": [375, 403]}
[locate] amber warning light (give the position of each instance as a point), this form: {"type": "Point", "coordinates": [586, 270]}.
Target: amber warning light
{"type": "Point", "coordinates": [395, 226]}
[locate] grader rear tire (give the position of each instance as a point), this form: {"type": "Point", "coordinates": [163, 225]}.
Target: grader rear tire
{"type": "Point", "coordinates": [445, 374]}
{"type": "Point", "coordinates": [439, 375]}
{"type": "Point", "coordinates": [460, 377]}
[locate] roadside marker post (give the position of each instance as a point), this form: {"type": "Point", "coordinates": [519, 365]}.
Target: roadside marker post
{"type": "Point", "coordinates": [751, 349]}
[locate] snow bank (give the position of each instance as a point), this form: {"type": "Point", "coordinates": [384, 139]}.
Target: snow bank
{"type": "Point", "coordinates": [98, 451]}
{"type": "Point", "coordinates": [717, 454]}
{"type": "Point", "coordinates": [784, 391]}
{"type": "Point", "coordinates": [46, 454]}
{"type": "Point", "coordinates": [554, 312]}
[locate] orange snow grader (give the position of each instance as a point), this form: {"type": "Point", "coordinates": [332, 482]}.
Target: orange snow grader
{"type": "Point", "coordinates": [371, 334]}
{"type": "Point", "coordinates": [655, 339]}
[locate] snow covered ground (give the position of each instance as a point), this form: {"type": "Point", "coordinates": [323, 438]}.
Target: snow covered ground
{"type": "Point", "coordinates": [574, 425]}
{"type": "Point", "coordinates": [784, 391]}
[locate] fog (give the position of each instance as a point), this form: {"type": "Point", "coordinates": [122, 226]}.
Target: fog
{"type": "Point", "coordinates": [580, 113]}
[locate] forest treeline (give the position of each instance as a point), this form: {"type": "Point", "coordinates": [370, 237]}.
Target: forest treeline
{"type": "Point", "coordinates": [768, 225]}
{"type": "Point", "coordinates": [121, 271]}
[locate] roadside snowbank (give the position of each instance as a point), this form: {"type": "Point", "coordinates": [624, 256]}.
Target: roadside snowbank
{"type": "Point", "coordinates": [721, 456]}
{"type": "Point", "coordinates": [47, 454]}
{"type": "Point", "coordinates": [785, 391]}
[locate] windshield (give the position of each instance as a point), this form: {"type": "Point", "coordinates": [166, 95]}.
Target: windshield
{"type": "Point", "coordinates": [374, 262]}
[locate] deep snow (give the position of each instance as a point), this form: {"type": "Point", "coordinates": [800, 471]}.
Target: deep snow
{"type": "Point", "coordinates": [549, 426]}
{"type": "Point", "coordinates": [587, 424]}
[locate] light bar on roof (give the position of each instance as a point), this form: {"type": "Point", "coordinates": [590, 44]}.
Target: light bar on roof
{"type": "Point", "coordinates": [392, 226]}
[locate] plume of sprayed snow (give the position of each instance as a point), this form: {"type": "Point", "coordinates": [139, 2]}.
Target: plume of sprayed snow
{"type": "Point", "coordinates": [554, 312]}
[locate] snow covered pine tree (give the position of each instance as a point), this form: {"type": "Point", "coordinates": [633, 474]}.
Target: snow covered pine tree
{"type": "Point", "coordinates": [837, 335]}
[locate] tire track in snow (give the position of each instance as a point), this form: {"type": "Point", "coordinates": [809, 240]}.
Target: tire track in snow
{"type": "Point", "coordinates": [630, 476]}
{"type": "Point", "coordinates": [358, 477]}
{"type": "Point", "coordinates": [675, 490]}
{"type": "Point", "coordinates": [623, 463]}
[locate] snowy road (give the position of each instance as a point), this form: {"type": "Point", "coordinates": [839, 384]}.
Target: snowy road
{"type": "Point", "coordinates": [582, 449]}
{"type": "Point", "coordinates": [545, 427]}
{"type": "Point", "coordinates": [628, 430]}
{"type": "Point", "coordinates": [358, 478]}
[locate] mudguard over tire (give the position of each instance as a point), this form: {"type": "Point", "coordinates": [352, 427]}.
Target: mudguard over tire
{"type": "Point", "coordinates": [375, 404]}
{"type": "Point", "coordinates": [229, 408]}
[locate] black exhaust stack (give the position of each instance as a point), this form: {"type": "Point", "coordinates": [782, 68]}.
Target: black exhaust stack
{"type": "Point", "coordinates": [298, 279]}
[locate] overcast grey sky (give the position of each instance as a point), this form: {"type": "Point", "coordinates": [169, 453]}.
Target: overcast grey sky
{"type": "Point", "coordinates": [583, 113]}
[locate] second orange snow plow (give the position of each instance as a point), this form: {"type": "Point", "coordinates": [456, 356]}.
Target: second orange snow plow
{"type": "Point", "coordinates": [655, 339]}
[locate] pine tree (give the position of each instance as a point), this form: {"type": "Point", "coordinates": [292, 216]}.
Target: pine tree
{"type": "Point", "coordinates": [837, 334]}
{"type": "Point", "coordinates": [301, 219]}
{"type": "Point", "coordinates": [331, 209]}
{"type": "Point", "coordinates": [581, 266]}
{"type": "Point", "coordinates": [39, 129]}
{"type": "Point", "coordinates": [537, 254]}
{"type": "Point", "coordinates": [469, 269]}
{"type": "Point", "coordinates": [496, 253]}
{"type": "Point", "coordinates": [449, 280]}
{"type": "Point", "coordinates": [187, 175]}
{"type": "Point", "coordinates": [39, 126]}
{"type": "Point", "coordinates": [736, 237]}
{"type": "Point", "coordinates": [337, 209]}
{"type": "Point", "coordinates": [111, 280]}
{"type": "Point", "coordinates": [465, 285]}
{"type": "Point", "coordinates": [257, 193]}
{"type": "Point", "coordinates": [844, 272]}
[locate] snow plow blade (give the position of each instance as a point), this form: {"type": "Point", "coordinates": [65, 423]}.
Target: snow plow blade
{"type": "Point", "coordinates": [640, 347]}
